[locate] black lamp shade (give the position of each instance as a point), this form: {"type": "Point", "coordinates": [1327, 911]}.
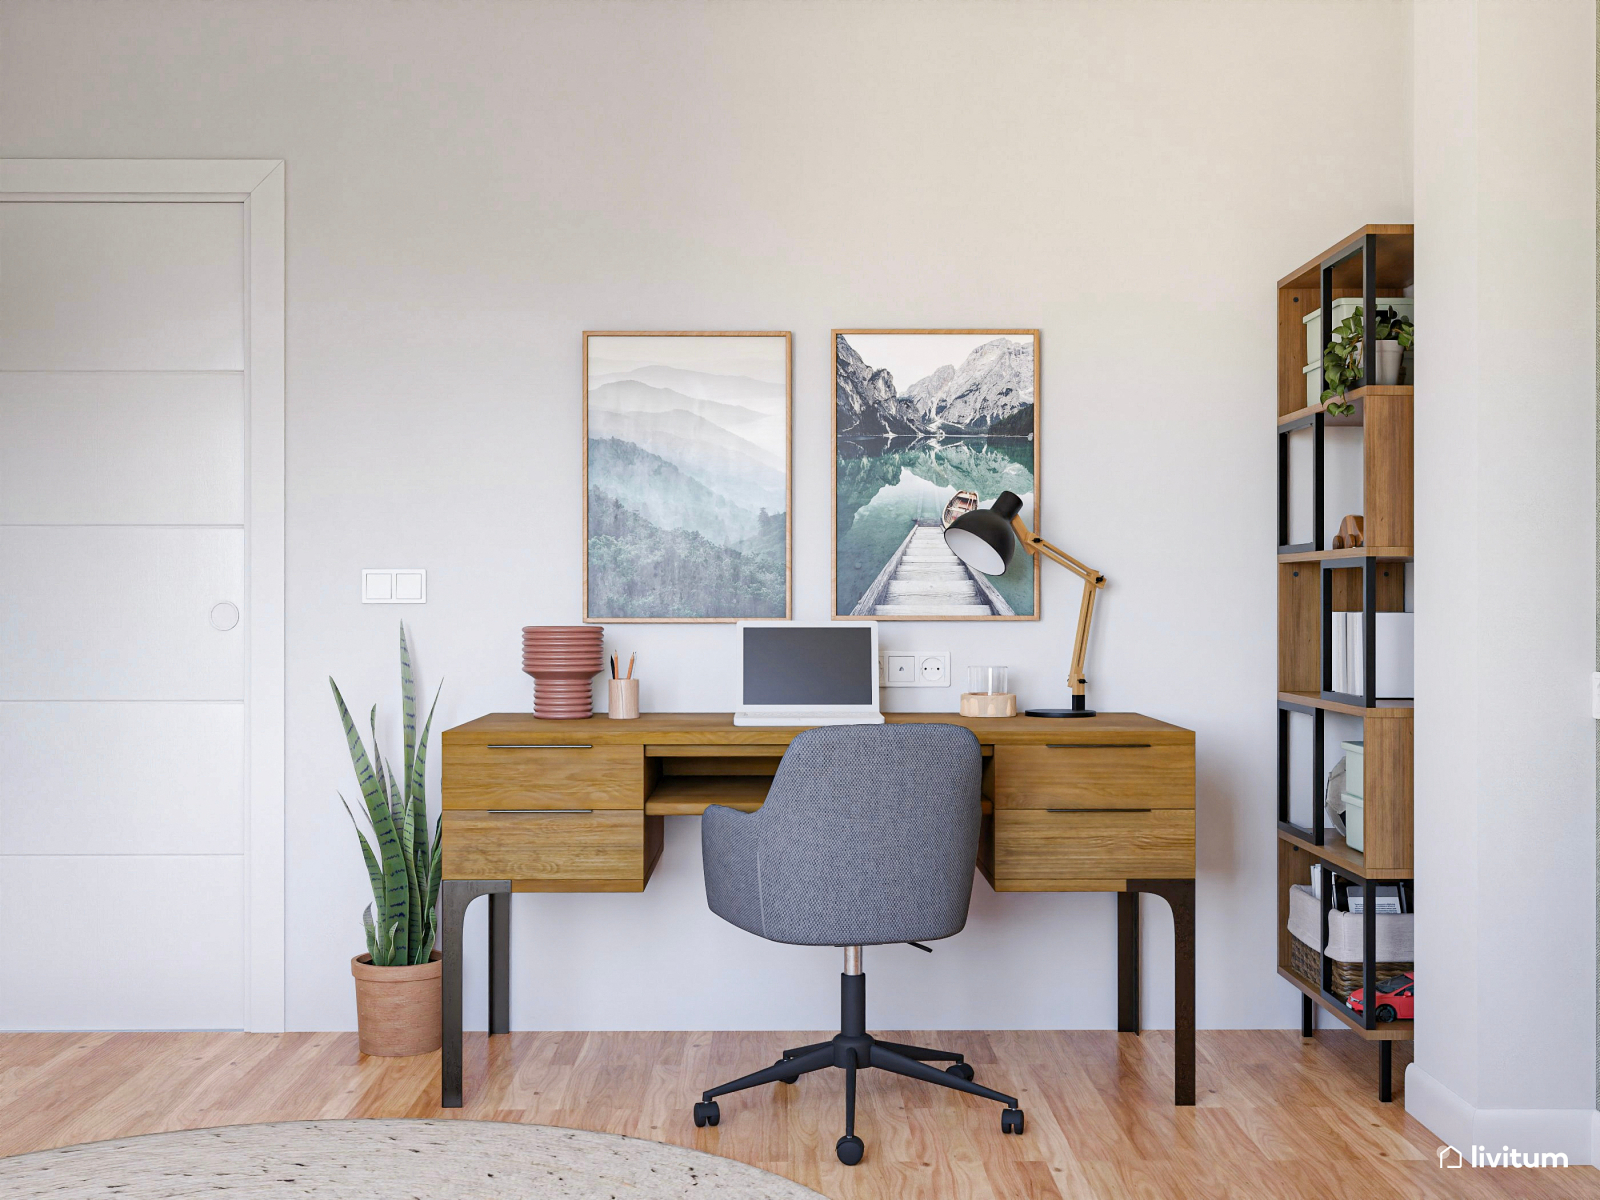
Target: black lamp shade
{"type": "Point", "coordinates": [982, 538]}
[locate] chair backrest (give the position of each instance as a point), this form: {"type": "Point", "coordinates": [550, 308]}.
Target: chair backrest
{"type": "Point", "coordinates": [869, 835]}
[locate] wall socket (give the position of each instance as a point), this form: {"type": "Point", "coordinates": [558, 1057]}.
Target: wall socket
{"type": "Point", "coordinates": [913, 668]}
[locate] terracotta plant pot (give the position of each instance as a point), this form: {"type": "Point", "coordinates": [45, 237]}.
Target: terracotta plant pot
{"type": "Point", "coordinates": [397, 1008]}
{"type": "Point", "coordinates": [562, 660]}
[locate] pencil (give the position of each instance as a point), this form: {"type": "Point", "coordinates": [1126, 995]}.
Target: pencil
{"type": "Point", "coordinates": [631, 657]}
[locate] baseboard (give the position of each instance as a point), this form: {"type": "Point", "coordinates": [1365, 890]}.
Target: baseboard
{"type": "Point", "coordinates": [1574, 1132]}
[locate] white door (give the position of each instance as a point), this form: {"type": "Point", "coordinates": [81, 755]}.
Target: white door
{"type": "Point", "coordinates": [125, 613]}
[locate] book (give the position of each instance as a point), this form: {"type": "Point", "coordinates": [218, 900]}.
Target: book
{"type": "Point", "coordinates": [1388, 900]}
{"type": "Point", "coordinates": [1340, 663]}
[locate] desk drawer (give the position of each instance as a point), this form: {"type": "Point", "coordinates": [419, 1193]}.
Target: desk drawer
{"type": "Point", "coordinates": [1090, 775]}
{"type": "Point", "coordinates": [541, 850]}
{"type": "Point", "coordinates": [1039, 845]}
{"type": "Point", "coordinates": [526, 775]}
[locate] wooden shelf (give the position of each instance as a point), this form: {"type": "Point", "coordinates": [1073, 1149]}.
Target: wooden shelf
{"type": "Point", "coordinates": [1386, 708]}
{"type": "Point", "coordinates": [1394, 258]}
{"type": "Point", "coordinates": [688, 795]}
{"type": "Point", "coordinates": [1389, 1031]}
{"type": "Point", "coordinates": [1357, 397]}
{"type": "Point", "coordinates": [1385, 553]}
{"type": "Point", "coordinates": [1336, 852]}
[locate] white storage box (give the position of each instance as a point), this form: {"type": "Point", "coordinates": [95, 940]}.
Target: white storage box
{"type": "Point", "coordinates": [1342, 308]}
{"type": "Point", "coordinates": [1313, 374]}
{"type": "Point", "coordinates": [1396, 931]}
{"type": "Point", "coordinates": [1354, 820]}
{"type": "Point", "coordinates": [1355, 757]}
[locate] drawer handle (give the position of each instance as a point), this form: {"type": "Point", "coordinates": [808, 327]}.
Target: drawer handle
{"type": "Point", "coordinates": [535, 812]}
{"type": "Point", "coordinates": [1097, 745]}
{"type": "Point", "coordinates": [1099, 810]}
{"type": "Point", "coordinates": [538, 746]}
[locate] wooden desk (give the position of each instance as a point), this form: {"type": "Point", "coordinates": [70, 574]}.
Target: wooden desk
{"type": "Point", "coordinates": [1100, 804]}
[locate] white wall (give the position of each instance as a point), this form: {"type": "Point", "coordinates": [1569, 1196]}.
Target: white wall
{"type": "Point", "coordinates": [470, 185]}
{"type": "Point", "coordinates": [1505, 818]}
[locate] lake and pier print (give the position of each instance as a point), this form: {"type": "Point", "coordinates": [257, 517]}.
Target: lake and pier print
{"type": "Point", "coordinates": [929, 425]}
{"type": "Point", "coordinates": [687, 443]}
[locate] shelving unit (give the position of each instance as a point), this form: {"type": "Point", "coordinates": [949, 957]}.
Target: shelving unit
{"type": "Point", "coordinates": [1315, 581]}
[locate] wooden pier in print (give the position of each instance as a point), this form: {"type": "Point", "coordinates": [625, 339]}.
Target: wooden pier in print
{"type": "Point", "coordinates": [924, 578]}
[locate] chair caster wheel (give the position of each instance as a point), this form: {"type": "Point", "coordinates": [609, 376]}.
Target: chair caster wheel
{"type": "Point", "coordinates": [790, 1079]}
{"type": "Point", "coordinates": [706, 1113]}
{"type": "Point", "coordinates": [850, 1150]}
{"type": "Point", "coordinates": [1011, 1121]}
{"type": "Point", "coordinates": [960, 1071]}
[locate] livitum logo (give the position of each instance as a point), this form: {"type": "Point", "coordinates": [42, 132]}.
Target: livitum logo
{"type": "Point", "coordinates": [1481, 1156]}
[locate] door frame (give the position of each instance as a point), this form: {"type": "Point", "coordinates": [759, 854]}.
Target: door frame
{"type": "Point", "coordinates": [257, 184]}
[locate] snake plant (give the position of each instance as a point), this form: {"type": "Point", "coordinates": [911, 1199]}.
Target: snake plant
{"type": "Point", "coordinates": [402, 919]}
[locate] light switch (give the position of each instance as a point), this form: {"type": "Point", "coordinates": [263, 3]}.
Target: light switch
{"type": "Point", "coordinates": [408, 586]}
{"type": "Point", "coordinates": [377, 586]}
{"type": "Point", "coordinates": [394, 585]}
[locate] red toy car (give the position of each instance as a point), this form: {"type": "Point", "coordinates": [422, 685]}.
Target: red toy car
{"type": "Point", "coordinates": [1395, 997]}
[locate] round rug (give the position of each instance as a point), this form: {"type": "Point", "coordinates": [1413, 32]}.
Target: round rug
{"type": "Point", "coordinates": [386, 1160]}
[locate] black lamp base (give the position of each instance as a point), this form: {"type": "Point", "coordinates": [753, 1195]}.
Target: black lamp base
{"type": "Point", "coordinates": [1079, 709]}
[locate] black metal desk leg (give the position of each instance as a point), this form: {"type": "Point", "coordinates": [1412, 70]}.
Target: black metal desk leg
{"type": "Point", "coordinates": [454, 897]}
{"type": "Point", "coordinates": [500, 962]}
{"type": "Point", "coordinates": [1128, 962]}
{"type": "Point", "coordinates": [1179, 895]}
{"type": "Point", "coordinates": [1386, 1071]}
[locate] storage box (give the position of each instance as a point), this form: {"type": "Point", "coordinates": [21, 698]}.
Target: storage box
{"type": "Point", "coordinates": [1347, 978]}
{"type": "Point", "coordinates": [1342, 308]}
{"type": "Point", "coordinates": [1355, 757]}
{"type": "Point", "coordinates": [1354, 819]}
{"type": "Point", "coordinates": [1313, 374]}
{"type": "Point", "coordinates": [1396, 941]}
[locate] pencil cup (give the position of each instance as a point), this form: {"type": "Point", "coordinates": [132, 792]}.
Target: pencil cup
{"type": "Point", "coordinates": [624, 704]}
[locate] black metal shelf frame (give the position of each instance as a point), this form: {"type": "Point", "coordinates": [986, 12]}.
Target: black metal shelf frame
{"type": "Point", "coordinates": [1368, 696]}
{"type": "Point", "coordinates": [1316, 421]}
{"type": "Point", "coordinates": [1315, 834]}
{"type": "Point", "coordinates": [1367, 1018]}
{"type": "Point", "coordinates": [1367, 248]}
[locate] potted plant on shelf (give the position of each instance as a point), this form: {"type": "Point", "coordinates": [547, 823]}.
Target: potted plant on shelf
{"type": "Point", "coordinates": [397, 979]}
{"type": "Point", "coordinates": [1341, 361]}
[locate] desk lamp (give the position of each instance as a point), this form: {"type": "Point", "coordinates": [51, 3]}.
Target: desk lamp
{"type": "Point", "coordinates": [986, 538]}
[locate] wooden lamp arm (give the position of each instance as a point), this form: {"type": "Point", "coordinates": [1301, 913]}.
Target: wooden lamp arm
{"type": "Point", "coordinates": [1093, 581]}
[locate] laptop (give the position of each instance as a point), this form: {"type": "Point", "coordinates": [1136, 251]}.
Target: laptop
{"type": "Point", "coordinates": [796, 674]}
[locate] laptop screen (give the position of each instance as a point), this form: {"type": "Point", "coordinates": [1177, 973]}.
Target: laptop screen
{"type": "Point", "coordinates": [799, 664]}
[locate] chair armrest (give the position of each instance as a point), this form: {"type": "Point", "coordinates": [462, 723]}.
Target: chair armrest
{"type": "Point", "coordinates": [730, 853]}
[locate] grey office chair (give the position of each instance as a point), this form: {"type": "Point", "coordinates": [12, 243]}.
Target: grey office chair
{"type": "Point", "coordinates": [868, 836]}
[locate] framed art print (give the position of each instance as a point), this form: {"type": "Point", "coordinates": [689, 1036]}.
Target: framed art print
{"type": "Point", "coordinates": [686, 476]}
{"type": "Point", "coordinates": [928, 424]}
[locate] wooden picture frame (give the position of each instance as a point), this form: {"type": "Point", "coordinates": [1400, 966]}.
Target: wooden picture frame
{"type": "Point", "coordinates": [987, 594]}
{"type": "Point", "coordinates": [762, 604]}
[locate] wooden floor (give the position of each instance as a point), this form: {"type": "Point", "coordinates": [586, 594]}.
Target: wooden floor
{"type": "Point", "coordinates": [1277, 1117]}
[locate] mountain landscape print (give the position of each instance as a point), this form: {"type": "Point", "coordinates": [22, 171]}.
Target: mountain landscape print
{"type": "Point", "coordinates": [687, 444]}
{"type": "Point", "coordinates": [926, 426]}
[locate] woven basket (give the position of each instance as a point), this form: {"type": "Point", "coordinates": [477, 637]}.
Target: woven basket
{"type": "Point", "coordinates": [1304, 962]}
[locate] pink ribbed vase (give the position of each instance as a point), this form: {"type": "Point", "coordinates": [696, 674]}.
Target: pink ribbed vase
{"type": "Point", "coordinates": [562, 660]}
